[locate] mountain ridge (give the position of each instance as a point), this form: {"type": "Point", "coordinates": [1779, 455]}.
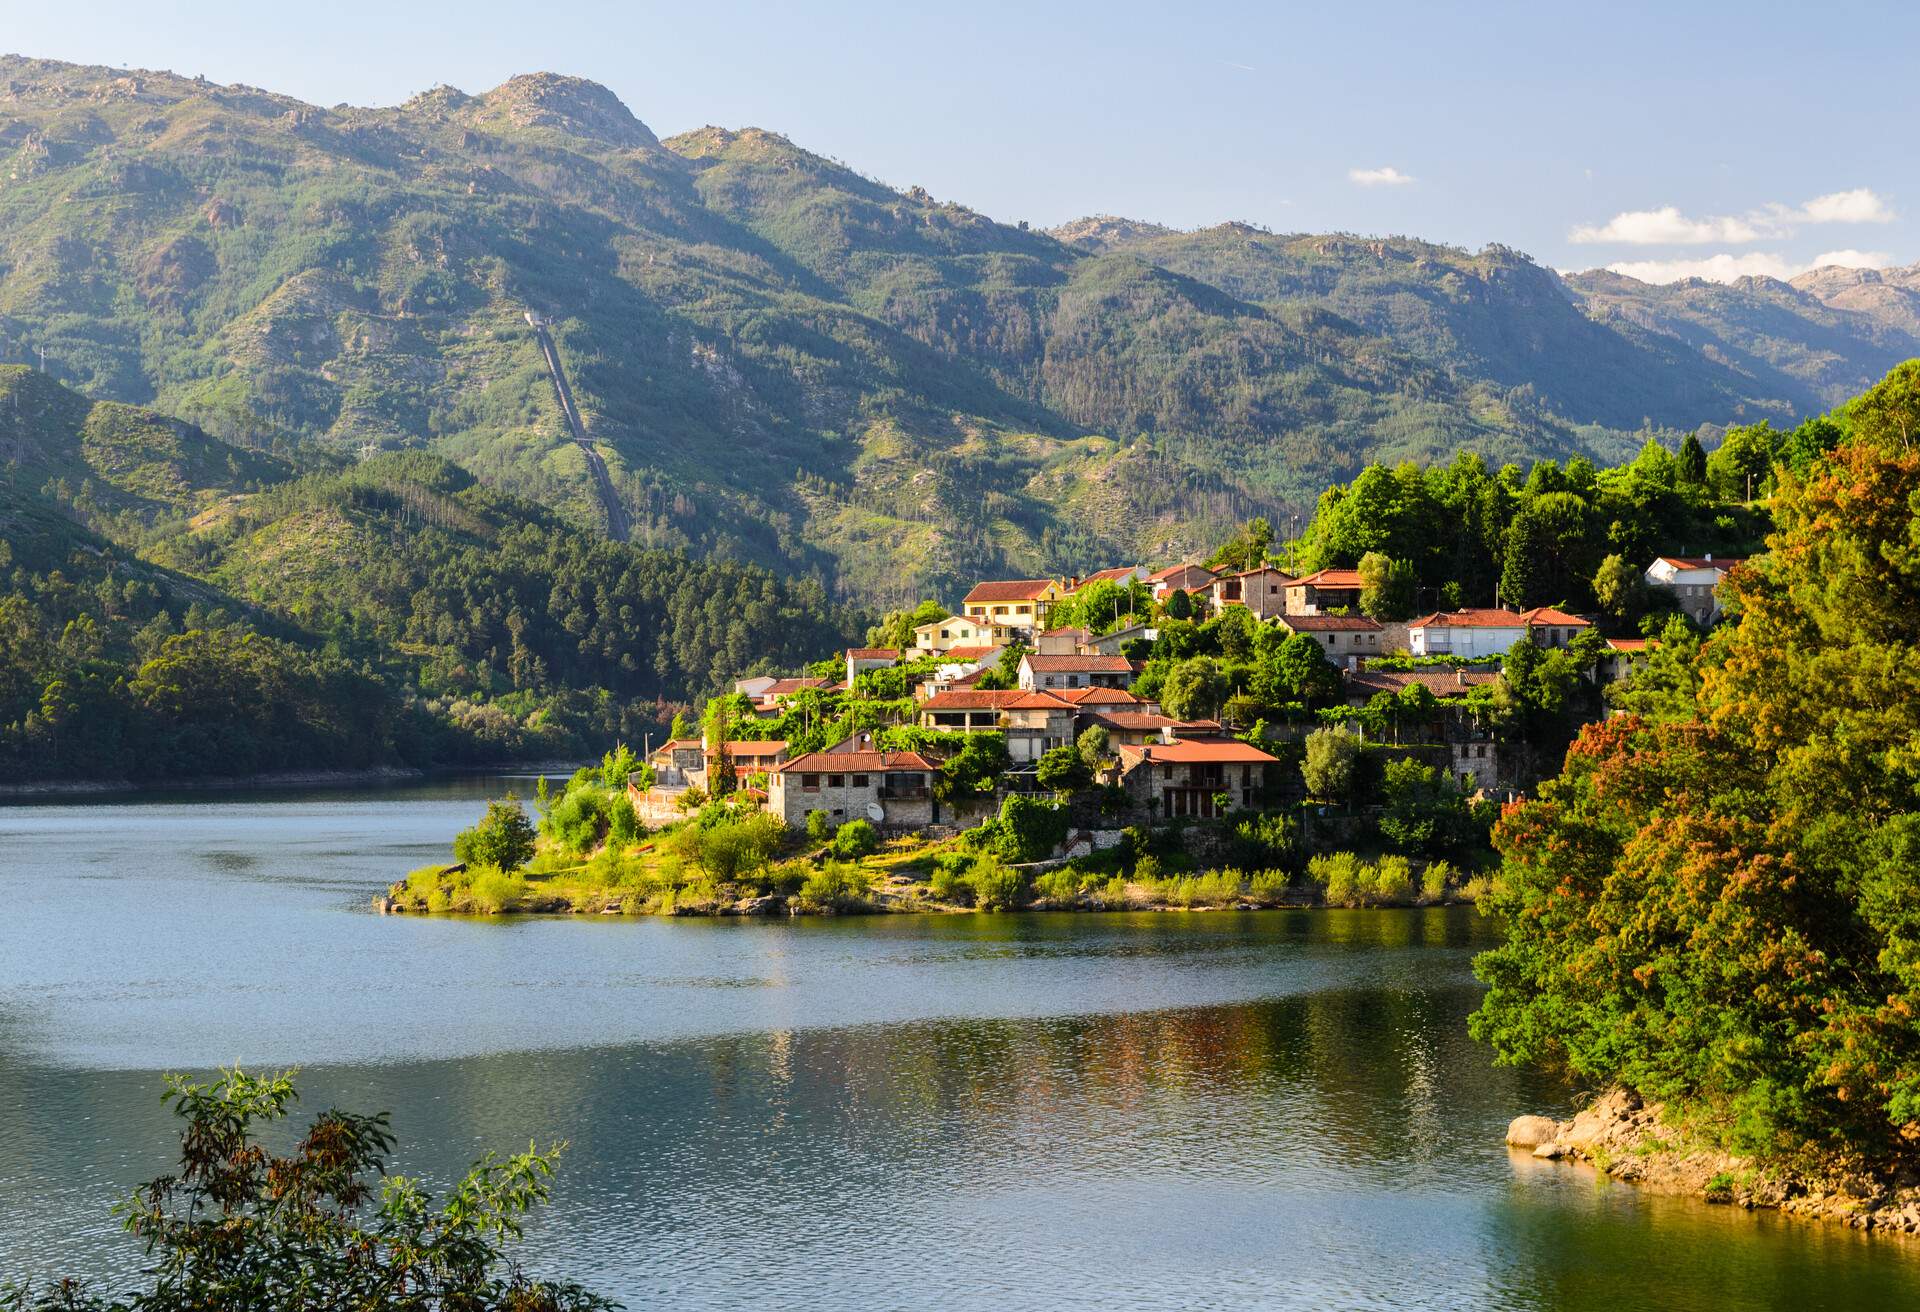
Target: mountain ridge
{"type": "Point", "coordinates": [781, 359]}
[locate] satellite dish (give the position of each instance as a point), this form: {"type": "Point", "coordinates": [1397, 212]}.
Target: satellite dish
{"type": "Point", "coordinates": [876, 812]}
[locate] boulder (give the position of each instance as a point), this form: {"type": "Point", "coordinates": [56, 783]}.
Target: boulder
{"type": "Point", "coordinates": [1532, 1131]}
{"type": "Point", "coordinates": [1551, 1152]}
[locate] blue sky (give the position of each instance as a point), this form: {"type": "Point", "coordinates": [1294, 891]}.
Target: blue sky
{"type": "Point", "coordinates": [1665, 139]}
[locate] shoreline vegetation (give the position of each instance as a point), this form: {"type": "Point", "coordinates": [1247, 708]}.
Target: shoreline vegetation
{"type": "Point", "coordinates": [589, 854]}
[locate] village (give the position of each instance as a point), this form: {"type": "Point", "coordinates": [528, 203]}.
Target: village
{"type": "Point", "coordinates": [1080, 686]}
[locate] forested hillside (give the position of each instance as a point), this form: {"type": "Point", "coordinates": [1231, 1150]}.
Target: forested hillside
{"type": "Point", "coordinates": [779, 358]}
{"type": "Point", "coordinates": [179, 614]}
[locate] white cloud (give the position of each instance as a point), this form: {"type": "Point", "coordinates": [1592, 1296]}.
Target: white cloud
{"type": "Point", "coordinates": [1857, 206]}
{"type": "Point", "coordinates": [1667, 226]}
{"type": "Point", "coordinates": [1724, 267]}
{"type": "Point", "coordinates": [1385, 177]}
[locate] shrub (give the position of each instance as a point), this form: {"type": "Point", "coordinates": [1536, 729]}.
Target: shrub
{"type": "Point", "coordinates": [1268, 885]}
{"type": "Point", "coordinates": [819, 827]}
{"type": "Point", "coordinates": [495, 890]}
{"type": "Point", "coordinates": [1029, 830]}
{"type": "Point", "coordinates": [855, 839]}
{"type": "Point", "coordinates": [1147, 868]}
{"type": "Point", "coordinates": [1339, 875]}
{"type": "Point", "coordinates": [581, 820]}
{"type": "Point", "coordinates": [996, 884]}
{"type": "Point", "coordinates": [1062, 885]}
{"type": "Point", "coordinates": [1113, 893]}
{"type": "Point", "coordinates": [1434, 880]}
{"type": "Point", "coordinates": [1392, 880]}
{"type": "Point", "coordinates": [1269, 839]}
{"type": "Point", "coordinates": [1476, 889]}
{"type": "Point", "coordinates": [835, 886]}
{"type": "Point", "coordinates": [740, 848]}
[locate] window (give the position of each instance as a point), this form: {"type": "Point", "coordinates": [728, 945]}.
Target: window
{"type": "Point", "coordinates": [810, 782]}
{"type": "Point", "coordinates": [836, 781]}
{"type": "Point", "coordinates": [1329, 640]}
{"type": "Point", "coordinates": [859, 781]}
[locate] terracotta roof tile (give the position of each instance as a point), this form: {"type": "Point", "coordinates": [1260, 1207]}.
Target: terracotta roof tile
{"type": "Point", "coordinates": [854, 763]}
{"type": "Point", "coordinates": [1092, 663]}
{"type": "Point", "coordinates": [1009, 590]}
{"type": "Point", "coordinates": [1200, 753]}
{"type": "Point", "coordinates": [1328, 623]}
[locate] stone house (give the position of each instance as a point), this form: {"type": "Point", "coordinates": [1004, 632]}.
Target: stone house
{"type": "Point", "coordinates": [1324, 590]}
{"type": "Point", "coordinates": [893, 790]}
{"type": "Point", "coordinates": [1110, 644]}
{"type": "Point", "coordinates": [1262, 591]}
{"type": "Point", "coordinates": [1473, 753]}
{"type": "Point", "coordinates": [1347, 639]}
{"type": "Point", "coordinates": [968, 710]}
{"type": "Point", "coordinates": [1189, 778]}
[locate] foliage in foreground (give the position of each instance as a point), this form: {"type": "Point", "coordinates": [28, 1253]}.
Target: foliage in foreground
{"type": "Point", "coordinates": [323, 1229]}
{"type": "Point", "coordinates": [1720, 908]}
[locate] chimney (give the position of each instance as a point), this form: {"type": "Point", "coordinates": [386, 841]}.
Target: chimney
{"type": "Point", "coordinates": [1460, 676]}
{"type": "Point", "coordinates": [1709, 558]}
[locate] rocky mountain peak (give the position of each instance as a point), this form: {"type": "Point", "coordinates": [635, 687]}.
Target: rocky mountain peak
{"type": "Point", "coordinates": [572, 105]}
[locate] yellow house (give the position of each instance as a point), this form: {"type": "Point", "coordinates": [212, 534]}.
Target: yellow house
{"type": "Point", "coordinates": [1013, 603]}
{"type": "Point", "coordinates": [954, 631]}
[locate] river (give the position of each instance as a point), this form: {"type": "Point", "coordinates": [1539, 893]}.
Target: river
{"type": "Point", "coordinates": [1224, 1110]}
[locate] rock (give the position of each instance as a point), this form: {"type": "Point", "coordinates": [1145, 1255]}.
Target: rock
{"type": "Point", "coordinates": [766, 904]}
{"type": "Point", "coordinates": [1550, 1152]}
{"type": "Point", "coordinates": [1532, 1131]}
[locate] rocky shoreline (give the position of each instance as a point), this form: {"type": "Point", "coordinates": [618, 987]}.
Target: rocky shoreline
{"type": "Point", "coordinates": [1628, 1139]}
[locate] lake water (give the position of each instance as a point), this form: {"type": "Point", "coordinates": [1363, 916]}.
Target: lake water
{"type": "Point", "coordinates": [1240, 1110]}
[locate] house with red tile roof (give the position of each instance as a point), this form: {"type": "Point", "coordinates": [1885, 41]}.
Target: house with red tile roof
{"type": "Point", "coordinates": [893, 790]}
{"type": "Point", "coordinates": [862, 659]}
{"type": "Point", "coordinates": [1179, 578]}
{"type": "Point", "coordinates": [1325, 590]}
{"type": "Point", "coordinates": [1048, 673]}
{"type": "Point", "coordinates": [1487, 631]}
{"type": "Point", "coordinates": [1694, 582]}
{"type": "Point", "coordinates": [1119, 576]}
{"type": "Point", "coordinates": [1012, 603]}
{"type": "Point", "coordinates": [1193, 777]}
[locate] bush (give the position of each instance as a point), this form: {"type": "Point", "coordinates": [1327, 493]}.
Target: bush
{"type": "Point", "coordinates": [835, 886]}
{"type": "Point", "coordinates": [1392, 880]}
{"type": "Point", "coordinates": [996, 885]}
{"type": "Point", "coordinates": [495, 890]}
{"type": "Point", "coordinates": [1266, 840]}
{"type": "Point", "coordinates": [856, 838]}
{"type": "Point", "coordinates": [819, 827]}
{"type": "Point", "coordinates": [1030, 830]}
{"type": "Point", "coordinates": [581, 820]}
{"type": "Point", "coordinates": [1062, 885]}
{"type": "Point", "coordinates": [1434, 881]}
{"type": "Point", "coordinates": [1338, 875]}
{"type": "Point", "coordinates": [1268, 885]}
{"type": "Point", "coordinates": [738, 849]}
{"type": "Point", "coordinates": [503, 838]}
{"type": "Point", "coordinates": [1476, 889]}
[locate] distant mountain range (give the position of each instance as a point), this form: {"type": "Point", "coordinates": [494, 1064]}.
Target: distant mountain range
{"type": "Point", "coordinates": [784, 360]}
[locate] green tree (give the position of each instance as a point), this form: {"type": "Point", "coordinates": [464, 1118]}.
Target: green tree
{"type": "Point", "coordinates": [1194, 689]}
{"type": "Point", "coordinates": [1424, 812]}
{"type": "Point", "coordinates": [1061, 770]}
{"type": "Point", "coordinates": [1387, 587]}
{"type": "Point", "coordinates": [855, 839]}
{"type": "Point", "coordinates": [1095, 745]}
{"type": "Point", "coordinates": [242, 1228]}
{"type": "Point", "coordinates": [1619, 587]}
{"type": "Point", "coordinates": [504, 837]}
{"type": "Point", "coordinates": [1693, 460]}
{"type": "Point", "coordinates": [1301, 667]}
{"type": "Point", "coordinates": [1332, 764]}
{"type": "Point", "coordinates": [1741, 467]}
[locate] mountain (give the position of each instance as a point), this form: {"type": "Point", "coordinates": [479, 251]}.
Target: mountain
{"type": "Point", "coordinates": [1811, 342]}
{"type": "Point", "coordinates": [778, 359]}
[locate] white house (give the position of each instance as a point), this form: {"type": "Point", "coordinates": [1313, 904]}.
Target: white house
{"type": "Point", "coordinates": [1471, 634]}
{"type": "Point", "coordinates": [1074, 671]}
{"type": "Point", "coordinates": [1693, 580]}
{"type": "Point", "coordinates": [954, 631]}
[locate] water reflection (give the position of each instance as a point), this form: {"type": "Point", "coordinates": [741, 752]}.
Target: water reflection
{"type": "Point", "coordinates": [1214, 1110]}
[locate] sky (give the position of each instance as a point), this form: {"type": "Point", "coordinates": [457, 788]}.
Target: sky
{"type": "Point", "coordinates": [1664, 140]}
